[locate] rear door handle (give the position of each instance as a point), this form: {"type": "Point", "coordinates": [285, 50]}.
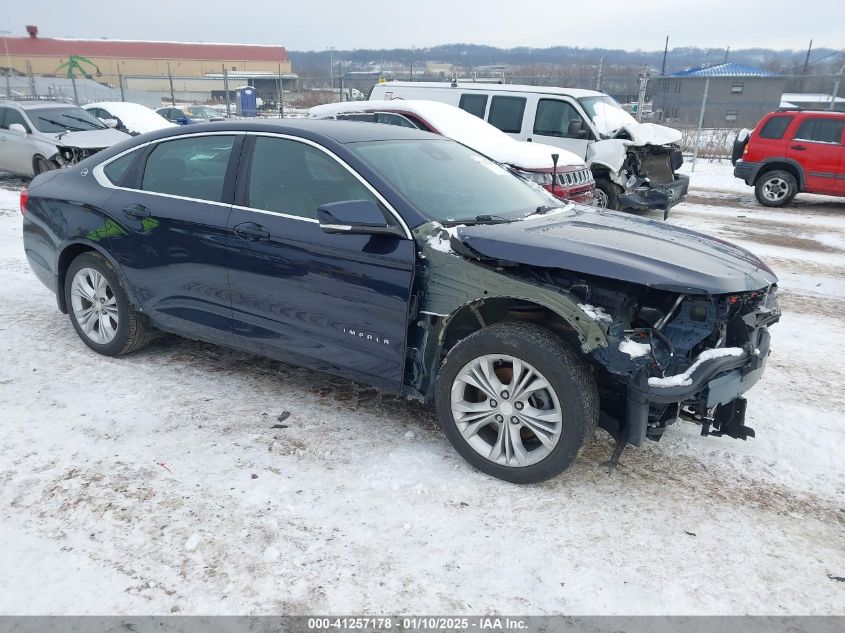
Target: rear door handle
{"type": "Point", "coordinates": [251, 231]}
{"type": "Point", "coordinates": [136, 212]}
{"type": "Point", "coordinates": [798, 147]}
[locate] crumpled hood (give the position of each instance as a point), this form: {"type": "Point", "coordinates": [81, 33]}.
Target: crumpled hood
{"type": "Point", "coordinates": [650, 134]}
{"type": "Point", "coordinates": [89, 139]}
{"type": "Point", "coordinates": [611, 152]}
{"type": "Point", "coordinates": [623, 247]}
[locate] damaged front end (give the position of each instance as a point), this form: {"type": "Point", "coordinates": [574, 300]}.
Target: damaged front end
{"type": "Point", "coordinates": [684, 357]}
{"type": "Point", "coordinates": [651, 181]}
{"type": "Point", "coordinates": [67, 155]}
{"type": "Point", "coordinates": [643, 161]}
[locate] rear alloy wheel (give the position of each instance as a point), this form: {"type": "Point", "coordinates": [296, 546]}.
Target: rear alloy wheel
{"type": "Point", "coordinates": [775, 188]}
{"type": "Point", "coordinates": [99, 307]}
{"type": "Point", "coordinates": [516, 401]}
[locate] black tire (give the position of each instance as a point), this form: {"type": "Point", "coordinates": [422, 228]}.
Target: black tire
{"type": "Point", "coordinates": [131, 333]}
{"type": "Point", "coordinates": [775, 188]}
{"type": "Point", "coordinates": [41, 164]}
{"type": "Point", "coordinates": [610, 191]}
{"type": "Point", "coordinates": [563, 367]}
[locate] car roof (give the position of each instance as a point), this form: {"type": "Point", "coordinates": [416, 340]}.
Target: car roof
{"type": "Point", "coordinates": [37, 105]}
{"type": "Point", "coordinates": [338, 131]}
{"type": "Point", "coordinates": [568, 92]}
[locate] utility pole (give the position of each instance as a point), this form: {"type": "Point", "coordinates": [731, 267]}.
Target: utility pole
{"type": "Point", "coordinates": [641, 97]}
{"type": "Point", "coordinates": [700, 123]}
{"type": "Point", "coordinates": [169, 79]}
{"type": "Point", "coordinates": [807, 58]}
{"type": "Point", "coordinates": [31, 79]}
{"type": "Point", "coordinates": [727, 52]}
{"type": "Point", "coordinates": [226, 91]}
{"type": "Point", "coordinates": [331, 70]}
{"type": "Point", "coordinates": [836, 89]}
{"type": "Point", "coordinates": [598, 77]}
{"type": "Point", "coordinates": [665, 52]}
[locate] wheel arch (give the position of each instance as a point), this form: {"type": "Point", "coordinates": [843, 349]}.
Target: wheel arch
{"type": "Point", "coordinates": [69, 252]}
{"type": "Point", "coordinates": [570, 323]}
{"type": "Point", "coordinates": [785, 164]}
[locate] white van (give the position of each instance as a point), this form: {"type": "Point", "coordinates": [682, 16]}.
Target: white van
{"type": "Point", "coordinates": [634, 164]}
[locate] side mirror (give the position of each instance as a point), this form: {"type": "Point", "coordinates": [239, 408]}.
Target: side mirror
{"type": "Point", "coordinates": [577, 129]}
{"type": "Point", "coordinates": [17, 129]}
{"type": "Point", "coordinates": [112, 123]}
{"type": "Point", "coordinates": [355, 217]}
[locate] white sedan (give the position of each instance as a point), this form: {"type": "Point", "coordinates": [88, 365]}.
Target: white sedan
{"type": "Point", "coordinates": [132, 118]}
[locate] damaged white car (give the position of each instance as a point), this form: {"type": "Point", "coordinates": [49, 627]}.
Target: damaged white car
{"type": "Point", "coordinates": [634, 164]}
{"type": "Point", "coordinates": [37, 136]}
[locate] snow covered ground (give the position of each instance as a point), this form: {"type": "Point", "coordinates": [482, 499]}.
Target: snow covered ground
{"type": "Point", "coordinates": [159, 483]}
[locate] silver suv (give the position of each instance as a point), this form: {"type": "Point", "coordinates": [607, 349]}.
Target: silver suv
{"type": "Point", "coordinates": [37, 136]}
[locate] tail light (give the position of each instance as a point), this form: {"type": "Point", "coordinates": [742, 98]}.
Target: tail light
{"type": "Point", "coordinates": [24, 201]}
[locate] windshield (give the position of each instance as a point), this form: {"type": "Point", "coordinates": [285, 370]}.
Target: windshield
{"type": "Point", "coordinates": [53, 120]}
{"type": "Point", "coordinates": [607, 115]}
{"type": "Point", "coordinates": [451, 183]}
{"type": "Point", "coordinates": [203, 112]}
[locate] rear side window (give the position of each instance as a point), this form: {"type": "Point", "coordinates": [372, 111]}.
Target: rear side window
{"type": "Point", "coordinates": [192, 167]}
{"type": "Point", "coordinates": [506, 113]}
{"type": "Point", "coordinates": [116, 170]}
{"type": "Point", "coordinates": [474, 104]}
{"type": "Point", "coordinates": [294, 178]}
{"type": "Point", "coordinates": [775, 127]}
{"type": "Point", "coordinates": [820, 130]}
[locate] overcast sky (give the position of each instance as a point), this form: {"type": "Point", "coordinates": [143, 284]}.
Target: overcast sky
{"type": "Point", "coordinates": [314, 25]}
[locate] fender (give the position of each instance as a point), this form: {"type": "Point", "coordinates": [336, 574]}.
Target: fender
{"type": "Point", "coordinates": [802, 181]}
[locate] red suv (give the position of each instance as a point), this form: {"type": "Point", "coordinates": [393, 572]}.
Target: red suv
{"type": "Point", "coordinates": [793, 151]}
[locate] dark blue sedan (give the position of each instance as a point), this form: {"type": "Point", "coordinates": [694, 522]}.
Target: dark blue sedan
{"type": "Point", "coordinates": [405, 260]}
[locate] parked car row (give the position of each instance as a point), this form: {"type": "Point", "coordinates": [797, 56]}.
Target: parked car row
{"type": "Point", "coordinates": [38, 136]}
{"type": "Point", "coordinates": [557, 170]}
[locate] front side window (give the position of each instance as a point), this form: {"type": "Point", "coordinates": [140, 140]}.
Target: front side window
{"type": "Point", "coordinates": [73, 119]}
{"type": "Point", "coordinates": [295, 179]}
{"type": "Point", "coordinates": [821, 130]}
{"type": "Point", "coordinates": [450, 182]}
{"type": "Point", "coordinates": [474, 104]}
{"type": "Point", "coordinates": [775, 127]}
{"type": "Point", "coordinates": [12, 116]}
{"type": "Point", "coordinates": [193, 167]}
{"type": "Point", "coordinates": [558, 118]}
{"type": "Point", "coordinates": [506, 113]}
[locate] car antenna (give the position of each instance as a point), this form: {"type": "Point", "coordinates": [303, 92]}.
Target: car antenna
{"type": "Point", "coordinates": [554, 171]}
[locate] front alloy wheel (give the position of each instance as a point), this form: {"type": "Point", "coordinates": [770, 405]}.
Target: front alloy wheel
{"type": "Point", "coordinates": [516, 401]}
{"type": "Point", "coordinates": [506, 410]}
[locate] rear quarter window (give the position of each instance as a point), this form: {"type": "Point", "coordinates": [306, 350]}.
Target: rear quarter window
{"type": "Point", "coordinates": [116, 170]}
{"type": "Point", "coordinates": [775, 127]}
{"type": "Point", "coordinates": [506, 113]}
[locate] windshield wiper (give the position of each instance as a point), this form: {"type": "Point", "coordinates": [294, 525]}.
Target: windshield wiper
{"type": "Point", "coordinates": [62, 125]}
{"type": "Point", "coordinates": [70, 116]}
{"type": "Point", "coordinates": [490, 219]}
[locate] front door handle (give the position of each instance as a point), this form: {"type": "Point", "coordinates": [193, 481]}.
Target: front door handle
{"type": "Point", "coordinates": [136, 212]}
{"type": "Point", "coordinates": [251, 231]}
{"type": "Point", "coordinates": [800, 148]}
